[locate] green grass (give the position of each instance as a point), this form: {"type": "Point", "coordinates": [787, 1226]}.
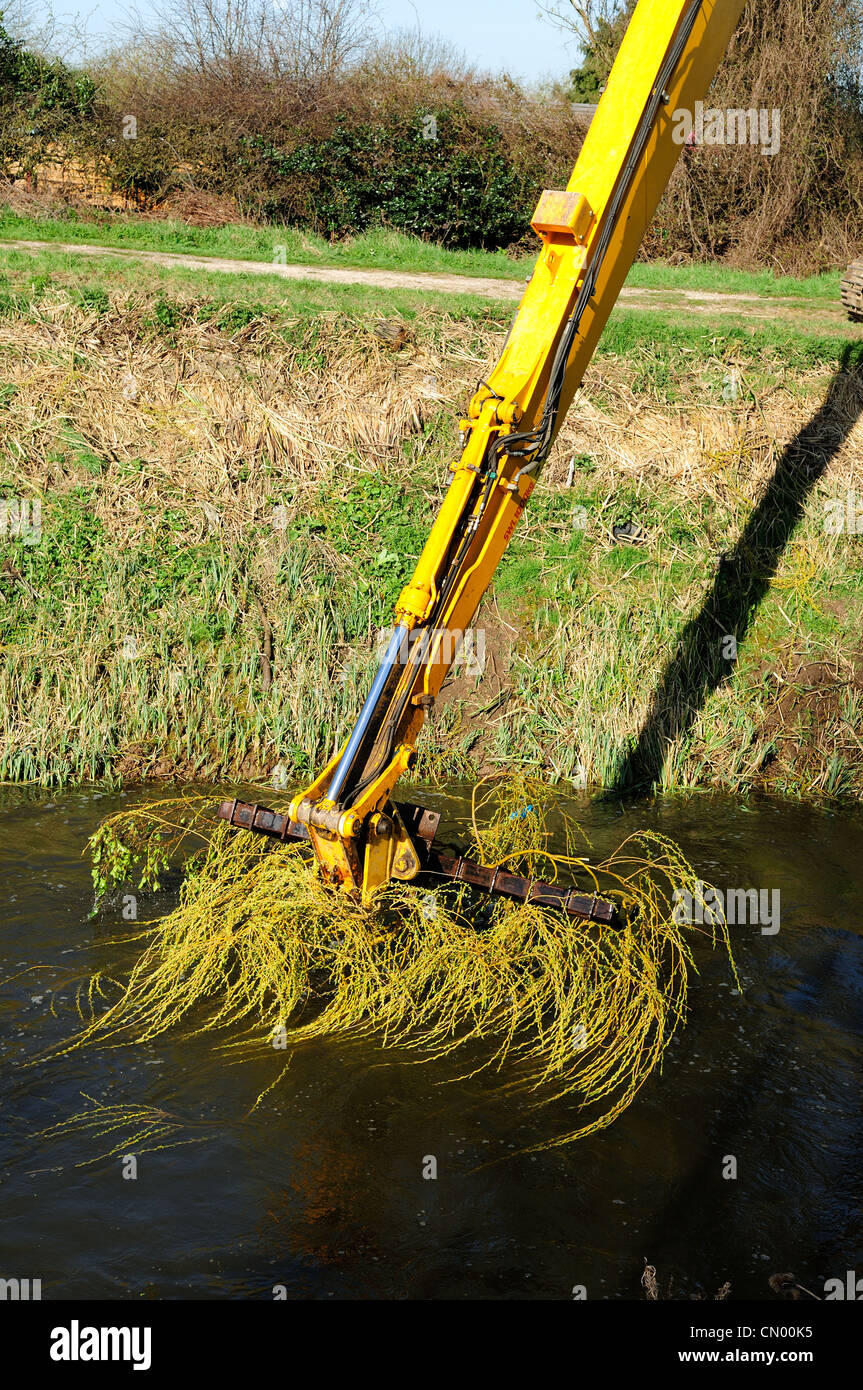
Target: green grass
{"type": "Point", "coordinates": [665, 345]}
{"type": "Point", "coordinates": [381, 249]}
{"type": "Point", "coordinates": [37, 271]}
{"type": "Point", "coordinates": [725, 280]}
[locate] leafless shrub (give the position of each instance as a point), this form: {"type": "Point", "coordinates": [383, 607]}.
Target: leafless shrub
{"type": "Point", "coordinates": [241, 41]}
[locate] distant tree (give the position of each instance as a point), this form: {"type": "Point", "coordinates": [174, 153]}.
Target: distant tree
{"type": "Point", "coordinates": [40, 100]}
{"type": "Point", "coordinates": [600, 51]}
{"type": "Point", "coordinates": [599, 27]}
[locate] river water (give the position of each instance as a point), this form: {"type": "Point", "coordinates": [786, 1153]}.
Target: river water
{"type": "Point", "coordinates": [321, 1191]}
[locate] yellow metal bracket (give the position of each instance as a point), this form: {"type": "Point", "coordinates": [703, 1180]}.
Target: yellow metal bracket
{"type": "Point", "coordinates": [563, 214]}
{"type": "Point", "coordinates": [390, 853]}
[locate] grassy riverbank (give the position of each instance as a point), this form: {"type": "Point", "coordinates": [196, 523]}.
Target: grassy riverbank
{"type": "Point", "coordinates": [382, 249]}
{"type": "Point", "coordinates": [236, 476]}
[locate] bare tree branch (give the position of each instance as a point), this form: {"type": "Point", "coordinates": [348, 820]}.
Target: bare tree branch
{"type": "Point", "coordinates": [244, 41]}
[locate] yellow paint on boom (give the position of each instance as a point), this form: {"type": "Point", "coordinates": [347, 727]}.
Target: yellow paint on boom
{"type": "Point", "coordinates": [590, 233]}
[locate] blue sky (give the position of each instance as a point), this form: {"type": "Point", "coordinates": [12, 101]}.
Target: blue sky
{"type": "Point", "coordinates": [494, 34]}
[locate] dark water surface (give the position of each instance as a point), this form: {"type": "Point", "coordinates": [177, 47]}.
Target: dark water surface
{"type": "Point", "coordinates": [321, 1189]}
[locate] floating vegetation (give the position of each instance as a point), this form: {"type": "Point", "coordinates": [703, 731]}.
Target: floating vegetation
{"type": "Point", "coordinates": [259, 949]}
{"type": "Point", "coordinates": [141, 1128]}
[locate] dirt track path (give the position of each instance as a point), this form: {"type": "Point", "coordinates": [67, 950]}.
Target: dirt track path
{"type": "Point", "coordinates": [807, 312]}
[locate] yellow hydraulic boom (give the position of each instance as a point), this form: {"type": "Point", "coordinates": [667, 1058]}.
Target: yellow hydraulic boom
{"type": "Point", "coordinates": [590, 235]}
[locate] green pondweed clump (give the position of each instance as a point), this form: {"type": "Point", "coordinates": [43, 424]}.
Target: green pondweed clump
{"type": "Point", "coordinates": [259, 948]}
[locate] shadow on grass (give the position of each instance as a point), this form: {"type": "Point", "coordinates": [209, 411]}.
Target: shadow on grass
{"type": "Point", "coordinates": [699, 666]}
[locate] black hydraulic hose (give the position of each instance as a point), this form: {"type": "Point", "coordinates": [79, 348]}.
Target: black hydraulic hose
{"type": "Point", "coordinates": [544, 435]}
{"type": "Point", "coordinates": [467, 527]}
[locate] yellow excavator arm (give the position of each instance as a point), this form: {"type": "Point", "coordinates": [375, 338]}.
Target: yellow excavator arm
{"type": "Point", "coordinates": [590, 232]}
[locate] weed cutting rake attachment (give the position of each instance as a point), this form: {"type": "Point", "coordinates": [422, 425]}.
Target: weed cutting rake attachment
{"type": "Point", "coordinates": [436, 864]}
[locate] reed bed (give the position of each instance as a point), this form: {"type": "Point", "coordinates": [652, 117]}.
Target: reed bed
{"type": "Point", "coordinates": [233, 494]}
